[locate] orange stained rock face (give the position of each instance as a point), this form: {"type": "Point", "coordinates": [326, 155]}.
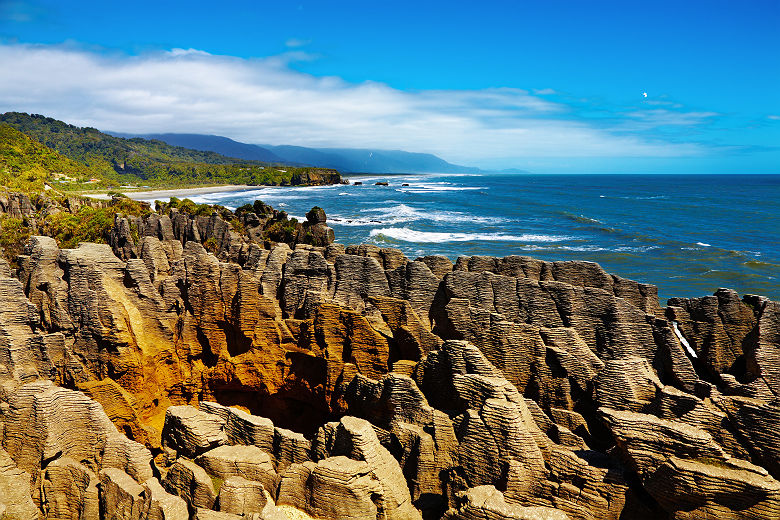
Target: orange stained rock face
{"type": "Point", "coordinates": [342, 336]}
{"type": "Point", "coordinates": [120, 406]}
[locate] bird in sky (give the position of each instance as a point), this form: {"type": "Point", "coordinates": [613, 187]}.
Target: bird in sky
{"type": "Point", "coordinates": [644, 94]}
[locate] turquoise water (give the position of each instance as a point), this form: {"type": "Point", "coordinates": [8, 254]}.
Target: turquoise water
{"type": "Point", "coordinates": [687, 234]}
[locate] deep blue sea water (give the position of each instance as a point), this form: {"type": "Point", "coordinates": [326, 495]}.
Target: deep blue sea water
{"type": "Point", "coordinates": [687, 234]}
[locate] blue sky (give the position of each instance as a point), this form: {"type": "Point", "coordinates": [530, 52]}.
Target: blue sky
{"type": "Point", "coordinates": [546, 86]}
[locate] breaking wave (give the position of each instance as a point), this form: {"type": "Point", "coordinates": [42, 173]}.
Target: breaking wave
{"type": "Point", "coordinates": [410, 235]}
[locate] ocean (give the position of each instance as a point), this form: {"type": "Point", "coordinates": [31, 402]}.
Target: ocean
{"type": "Point", "coordinates": [687, 234]}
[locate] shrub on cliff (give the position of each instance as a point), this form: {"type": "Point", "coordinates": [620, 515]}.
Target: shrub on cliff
{"type": "Point", "coordinates": [184, 206]}
{"type": "Point", "coordinates": [259, 208]}
{"type": "Point", "coordinates": [89, 223]}
{"type": "Point", "coordinates": [14, 233]}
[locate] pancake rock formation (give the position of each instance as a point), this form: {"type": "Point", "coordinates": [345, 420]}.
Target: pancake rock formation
{"type": "Point", "coordinates": [190, 368]}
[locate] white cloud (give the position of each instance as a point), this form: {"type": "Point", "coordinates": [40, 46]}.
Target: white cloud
{"type": "Point", "coordinates": [265, 101]}
{"type": "Point", "coordinates": [297, 42]}
{"type": "Point", "coordinates": [187, 52]}
{"type": "Point", "coordinates": [663, 117]}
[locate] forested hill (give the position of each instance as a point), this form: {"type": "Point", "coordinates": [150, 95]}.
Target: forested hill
{"type": "Point", "coordinates": [153, 162]}
{"type": "Point", "coordinates": [27, 165]}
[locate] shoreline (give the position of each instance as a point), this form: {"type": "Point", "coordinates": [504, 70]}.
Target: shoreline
{"type": "Point", "coordinates": [146, 194]}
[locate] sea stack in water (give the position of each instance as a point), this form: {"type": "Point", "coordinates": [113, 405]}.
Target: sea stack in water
{"type": "Point", "coordinates": [195, 367]}
{"type": "Point", "coordinates": [315, 228]}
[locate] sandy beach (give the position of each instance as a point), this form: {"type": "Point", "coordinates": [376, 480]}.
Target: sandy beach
{"type": "Point", "coordinates": [176, 192]}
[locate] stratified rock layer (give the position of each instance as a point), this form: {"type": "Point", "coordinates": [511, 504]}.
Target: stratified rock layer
{"type": "Point", "coordinates": [153, 378]}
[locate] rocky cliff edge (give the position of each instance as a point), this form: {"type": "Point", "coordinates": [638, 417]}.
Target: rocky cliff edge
{"type": "Point", "coordinates": [189, 368]}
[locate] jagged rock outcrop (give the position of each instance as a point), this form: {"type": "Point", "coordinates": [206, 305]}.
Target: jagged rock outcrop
{"type": "Point", "coordinates": [485, 502]}
{"type": "Point", "coordinates": [44, 422]}
{"type": "Point", "coordinates": [240, 496]}
{"type": "Point", "coordinates": [247, 462]}
{"type": "Point", "coordinates": [189, 432]}
{"type": "Point", "coordinates": [647, 441]}
{"type": "Point", "coordinates": [231, 236]}
{"type": "Point", "coordinates": [355, 438]}
{"type": "Point", "coordinates": [189, 481]}
{"type": "Point", "coordinates": [710, 489]}
{"type": "Point", "coordinates": [336, 487]}
{"type": "Point", "coordinates": [15, 491]}
{"type": "Point", "coordinates": [70, 490]}
{"type": "Point", "coordinates": [222, 374]}
{"type": "Point", "coordinates": [242, 427]}
{"type": "Point", "coordinates": [160, 505]}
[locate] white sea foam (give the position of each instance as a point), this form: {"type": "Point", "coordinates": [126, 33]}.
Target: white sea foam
{"type": "Point", "coordinates": [402, 214]}
{"type": "Point", "coordinates": [703, 244]}
{"type": "Point", "coordinates": [410, 235]}
{"type": "Point", "coordinates": [423, 188]}
{"type": "Point", "coordinates": [265, 194]}
{"type": "Point", "coordinates": [634, 197]}
{"type": "Point", "coordinates": [201, 199]}
{"type": "Point", "coordinates": [590, 248]}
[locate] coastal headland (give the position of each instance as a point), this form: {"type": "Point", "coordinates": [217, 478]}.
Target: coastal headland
{"type": "Point", "coordinates": [196, 362]}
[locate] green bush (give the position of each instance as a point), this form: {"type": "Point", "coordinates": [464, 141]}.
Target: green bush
{"type": "Point", "coordinates": [14, 233]}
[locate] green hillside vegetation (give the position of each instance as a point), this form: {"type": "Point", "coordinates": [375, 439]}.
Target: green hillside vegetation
{"type": "Point", "coordinates": [147, 162]}
{"type": "Point", "coordinates": [92, 222]}
{"type": "Point", "coordinates": [26, 165]}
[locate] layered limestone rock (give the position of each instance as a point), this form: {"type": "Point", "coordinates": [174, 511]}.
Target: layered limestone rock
{"type": "Point", "coordinates": [353, 382]}
{"type": "Point", "coordinates": [15, 492]}
{"type": "Point", "coordinates": [44, 422]}
{"type": "Point", "coordinates": [161, 505]}
{"type": "Point", "coordinates": [355, 438]}
{"type": "Point", "coordinates": [485, 502]}
{"type": "Point", "coordinates": [217, 229]}
{"type": "Point", "coordinates": [242, 427]}
{"type": "Point", "coordinates": [648, 441]}
{"type": "Point", "coordinates": [240, 496]}
{"type": "Point", "coordinates": [336, 487]}
{"type": "Point", "coordinates": [70, 490]}
{"type": "Point", "coordinates": [190, 432]}
{"type": "Point", "coordinates": [711, 489]}
{"type": "Point", "coordinates": [189, 481]}
{"type": "Point", "coordinates": [25, 353]}
{"type": "Point", "coordinates": [248, 462]}
{"type": "Point", "coordinates": [122, 498]}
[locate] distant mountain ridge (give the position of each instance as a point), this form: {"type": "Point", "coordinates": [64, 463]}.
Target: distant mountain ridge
{"type": "Point", "coordinates": [346, 160]}
{"type": "Point", "coordinates": [116, 160]}
{"type": "Point", "coordinates": [212, 143]}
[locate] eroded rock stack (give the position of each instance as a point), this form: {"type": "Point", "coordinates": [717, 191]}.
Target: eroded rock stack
{"type": "Point", "coordinates": [153, 378]}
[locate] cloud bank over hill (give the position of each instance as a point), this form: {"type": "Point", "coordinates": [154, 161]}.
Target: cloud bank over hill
{"type": "Point", "coordinates": [265, 100]}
